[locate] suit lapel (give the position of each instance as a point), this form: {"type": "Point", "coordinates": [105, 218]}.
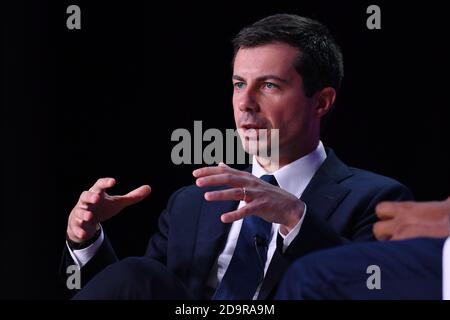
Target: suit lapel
{"type": "Point", "coordinates": [322, 195]}
{"type": "Point", "coordinates": [210, 240]}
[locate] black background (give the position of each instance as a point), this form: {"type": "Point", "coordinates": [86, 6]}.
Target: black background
{"type": "Point", "coordinates": [103, 101]}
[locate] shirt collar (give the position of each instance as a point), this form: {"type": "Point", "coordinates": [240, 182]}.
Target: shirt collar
{"type": "Point", "coordinates": [295, 176]}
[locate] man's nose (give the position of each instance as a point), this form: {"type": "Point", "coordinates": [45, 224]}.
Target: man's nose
{"type": "Point", "coordinates": [248, 102]}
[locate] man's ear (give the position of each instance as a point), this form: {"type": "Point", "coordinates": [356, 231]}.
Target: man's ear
{"type": "Point", "coordinates": [324, 100]}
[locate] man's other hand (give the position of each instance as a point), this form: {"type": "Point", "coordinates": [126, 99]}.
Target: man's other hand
{"type": "Point", "coordinates": [405, 220]}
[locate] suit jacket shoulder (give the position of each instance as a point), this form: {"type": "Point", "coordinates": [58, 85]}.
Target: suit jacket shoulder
{"type": "Point", "coordinates": [346, 197]}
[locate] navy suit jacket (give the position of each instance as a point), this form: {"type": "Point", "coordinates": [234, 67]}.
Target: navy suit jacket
{"type": "Point", "coordinates": [340, 208]}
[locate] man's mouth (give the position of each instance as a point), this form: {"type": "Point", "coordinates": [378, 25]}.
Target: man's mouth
{"type": "Point", "coordinates": [251, 130]}
{"type": "Point", "coordinates": [251, 126]}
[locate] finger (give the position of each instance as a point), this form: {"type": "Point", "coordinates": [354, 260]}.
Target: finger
{"type": "Point", "coordinates": [102, 184]}
{"type": "Point", "coordinates": [83, 215]}
{"type": "Point", "coordinates": [222, 164]}
{"type": "Point", "coordinates": [87, 198]}
{"type": "Point", "coordinates": [422, 229]}
{"type": "Point", "coordinates": [386, 210]}
{"type": "Point", "coordinates": [236, 214]}
{"type": "Point", "coordinates": [223, 179]}
{"type": "Point", "coordinates": [79, 230]}
{"type": "Point", "coordinates": [383, 230]}
{"type": "Point", "coordinates": [221, 168]}
{"type": "Point", "coordinates": [80, 233]}
{"type": "Point", "coordinates": [229, 194]}
{"type": "Point", "coordinates": [136, 195]}
{"type": "Point", "coordinates": [88, 226]}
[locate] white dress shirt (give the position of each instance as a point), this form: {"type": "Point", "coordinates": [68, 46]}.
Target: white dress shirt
{"type": "Point", "coordinates": [292, 178]}
{"type": "Point", "coordinates": [82, 256]}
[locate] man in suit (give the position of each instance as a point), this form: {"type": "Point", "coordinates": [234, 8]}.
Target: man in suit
{"type": "Point", "coordinates": [234, 233]}
{"type": "Point", "coordinates": [414, 264]}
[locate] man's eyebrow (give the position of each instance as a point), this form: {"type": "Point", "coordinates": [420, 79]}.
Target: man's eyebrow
{"type": "Point", "coordinates": [238, 78]}
{"type": "Point", "coordinates": [262, 78]}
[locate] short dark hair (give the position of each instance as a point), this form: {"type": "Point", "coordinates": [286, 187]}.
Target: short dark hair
{"type": "Point", "coordinates": [320, 62]}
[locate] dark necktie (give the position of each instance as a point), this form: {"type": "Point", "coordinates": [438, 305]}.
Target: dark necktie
{"type": "Point", "coordinates": [246, 269]}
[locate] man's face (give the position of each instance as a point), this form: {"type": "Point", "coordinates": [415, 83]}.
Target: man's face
{"type": "Point", "coordinates": [268, 94]}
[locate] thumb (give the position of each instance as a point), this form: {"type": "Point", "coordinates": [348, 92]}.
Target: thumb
{"type": "Point", "coordinates": [222, 164]}
{"type": "Point", "coordinates": [136, 195]}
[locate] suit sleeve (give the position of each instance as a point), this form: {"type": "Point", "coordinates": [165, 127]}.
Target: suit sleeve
{"type": "Point", "coordinates": [104, 257]}
{"type": "Point", "coordinates": [157, 246]}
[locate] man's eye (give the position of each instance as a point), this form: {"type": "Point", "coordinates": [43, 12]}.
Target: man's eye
{"type": "Point", "coordinates": [239, 85]}
{"type": "Point", "coordinates": [270, 85]}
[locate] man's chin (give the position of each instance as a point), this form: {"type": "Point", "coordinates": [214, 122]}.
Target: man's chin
{"type": "Point", "coordinates": [255, 146]}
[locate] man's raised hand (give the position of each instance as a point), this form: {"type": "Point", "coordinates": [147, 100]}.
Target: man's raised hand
{"type": "Point", "coordinates": [95, 206]}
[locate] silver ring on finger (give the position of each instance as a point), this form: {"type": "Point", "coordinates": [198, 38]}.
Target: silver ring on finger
{"type": "Point", "coordinates": [244, 194]}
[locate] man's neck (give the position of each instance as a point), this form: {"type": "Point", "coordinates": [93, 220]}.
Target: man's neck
{"type": "Point", "coordinates": [284, 159]}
